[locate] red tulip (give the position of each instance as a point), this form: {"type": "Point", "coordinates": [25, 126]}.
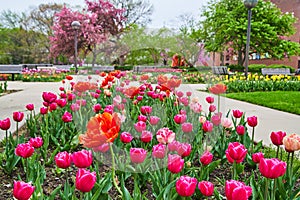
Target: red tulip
{"type": "Point", "coordinates": [206, 188]}
{"type": "Point", "coordinates": [82, 159]}
{"type": "Point", "coordinates": [85, 180]}
{"type": "Point", "coordinates": [97, 107]}
{"type": "Point", "coordinates": [237, 113]}
{"type": "Point", "coordinates": [146, 110]}
{"type": "Point", "coordinates": [272, 168]}
{"type": "Point", "coordinates": [5, 124]}
{"type": "Point", "coordinates": [185, 186]}
{"type": "Point", "coordinates": [240, 129]}
{"type": "Point", "coordinates": [277, 137]}
{"type": "Point", "coordinates": [22, 190]}
{"type": "Point", "coordinates": [53, 106]}
{"type": "Point", "coordinates": [49, 97]}
{"type": "Point", "coordinates": [36, 142]}
{"type": "Point", "coordinates": [159, 151]}
{"type": "Point", "coordinates": [179, 118]}
{"type": "Point", "coordinates": [71, 97]}
{"type": "Point", "coordinates": [138, 155]}
{"type": "Point", "coordinates": [165, 135]}
{"type": "Point", "coordinates": [252, 121]}
{"type": "Point", "coordinates": [291, 143]}
{"type": "Point", "coordinates": [18, 116]}
{"type": "Point", "coordinates": [30, 107]}
{"type": "Point", "coordinates": [184, 149]}
{"type": "Point", "coordinates": [207, 126]}
{"type": "Point", "coordinates": [212, 108]}
{"type": "Point", "coordinates": [236, 190]}
{"type": "Point", "coordinates": [146, 136]}
{"type": "Point", "coordinates": [140, 126]}
{"type": "Point", "coordinates": [67, 117]}
{"type": "Point", "coordinates": [256, 157]}
{"type": "Point", "coordinates": [61, 102]}
{"type": "Point", "coordinates": [236, 152]}
{"type": "Point", "coordinates": [154, 120]}
{"type": "Point", "coordinates": [218, 88]}
{"type": "Point", "coordinates": [187, 127]}
{"type": "Point", "coordinates": [102, 148]}
{"type": "Point", "coordinates": [206, 158]}
{"type": "Point", "coordinates": [43, 110]}
{"type": "Point", "coordinates": [24, 150]}
{"type": "Point", "coordinates": [126, 137]}
{"type": "Point", "coordinates": [175, 163]}
{"type": "Point", "coordinates": [63, 159]}
{"type": "Point", "coordinates": [210, 99]}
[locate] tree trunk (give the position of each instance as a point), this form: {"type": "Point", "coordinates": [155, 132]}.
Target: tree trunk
{"type": "Point", "coordinates": [241, 59]}
{"type": "Point", "coordinates": [94, 55]}
{"type": "Point", "coordinates": [214, 58]}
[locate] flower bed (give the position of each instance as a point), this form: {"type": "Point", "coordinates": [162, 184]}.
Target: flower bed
{"type": "Point", "coordinates": [112, 139]}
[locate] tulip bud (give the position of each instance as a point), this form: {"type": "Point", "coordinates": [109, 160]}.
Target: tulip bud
{"type": "Point", "coordinates": [159, 151]}
{"type": "Point", "coordinates": [257, 156]}
{"type": "Point", "coordinates": [36, 142]}
{"type": "Point", "coordinates": [187, 127]}
{"type": "Point", "coordinates": [18, 116]}
{"type": "Point", "coordinates": [30, 107]}
{"type": "Point", "coordinates": [252, 121]}
{"type": "Point", "coordinates": [146, 136]}
{"type": "Point", "coordinates": [24, 150]}
{"type": "Point", "coordinates": [67, 117]}
{"type": "Point", "coordinates": [5, 124]}
{"type": "Point", "coordinates": [240, 129]}
{"type": "Point", "coordinates": [237, 113]}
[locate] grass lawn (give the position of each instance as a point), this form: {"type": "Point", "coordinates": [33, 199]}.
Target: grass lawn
{"type": "Point", "coordinates": [280, 100]}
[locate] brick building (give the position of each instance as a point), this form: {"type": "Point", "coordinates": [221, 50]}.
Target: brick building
{"type": "Point", "coordinates": [294, 61]}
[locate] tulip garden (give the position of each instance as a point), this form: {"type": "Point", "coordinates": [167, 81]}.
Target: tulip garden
{"type": "Point", "coordinates": [112, 138]}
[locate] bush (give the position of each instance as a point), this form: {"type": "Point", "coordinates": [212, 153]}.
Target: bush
{"type": "Point", "coordinates": [238, 68]}
{"type": "Point", "coordinates": [256, 68]}
{"type": "Point", "coordinates": [124, 68]}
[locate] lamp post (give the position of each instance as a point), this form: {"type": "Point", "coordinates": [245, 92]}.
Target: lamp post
{"type": "Point", "coordinates": [249, 4]}
{"type": "Point", "coordinates": [75, 25]}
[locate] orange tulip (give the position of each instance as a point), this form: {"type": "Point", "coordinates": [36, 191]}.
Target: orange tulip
{"type": "Point", "coordinates": [101, 129]}
{"type": "Point", "coordinates": [68, 77]}
{"type": "Point", "coordinates": [144, 77]}
{"type": "Point", "coordinates": [131, 92]}
{"type": "Point", "coordinates": [84, 86]}
{"type": "Point", "coordinates": [161, 79]}
{"type": "Point", "coordinates": [292, 142]}
{"type": "Point", "coordinates": [173, 83]}
{"type": "Point", "coordinates": [219, 88]}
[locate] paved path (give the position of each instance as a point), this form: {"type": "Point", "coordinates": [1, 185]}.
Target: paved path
{"type": "Point", "coordinates": [268, 119]}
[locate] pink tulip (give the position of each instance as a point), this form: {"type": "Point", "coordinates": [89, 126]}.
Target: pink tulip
{"type": "Point", "coordinates": [24, 150]}
{"type": "Point", "coordinates": [85, 180]}
{"type": "Point", "coordinates": [207, 126]}
{"type": "Point", "coordinates": [206, 158]}
{"type": "Point", "coordinates": [18, 116]}
{"type": "Point", "coordinates": [184, 149]}
{"type": "Point", "coordinates": [185, 186]}
{"type": "Point", "coordinates": [272, 168]}
{"type": "Point", "coordinates": [175, 163]}
{"type": "Point", "coordinates": [196, 107]}
{"type": "Point", "coordinates": [67, 117]}
{"type": "Point", "coordinates": [146, 136]}
{"type": "Point", "coordinates": [126, 137]}
{"type": "Point", "coordinates": [237, 113]}
{"type": "Point", "coordinates": [102, 148]}
{"type": "Point", "coordinates": [71, 97]}
{"type": "Point", "coordinates": [138, 155]}
{"type": "Point", "coordinates": [146, 110]}
{"type": "Point", "coordinates": [140, 126]}
{"type": "Point", "coordinates": [63, 95]}
{"type": "Point", "coordinates": [53, 106]}
{"type": "Point", "coordinates": [159, 151]}
{"type": "Point", "coordinates": [22, 190]}
{"type": "Point", "coordinates": [43, 110]}
{"type": "Point", "coordinates": [216, 119]}
{"type": "Point", "coordinates": [36, 142]}
{"type": "Point", "coordinates": [277, 137]}
{"type": "Point", "coordinates": [256, 157]}
{"type": "Point", "coordinates": [97, 107]}
{"type": "Point", "coordinates": [154, 120]}
{"type": "Point", "coordinates": [173, 146]}
{"type": "Point", "coordinates": [179, 118]}
{"type": "Point", "coordinates": [236, 190]}
{"type": "Point", "coordinates": [236, 152]}
{"type": "Point", "coordinates": [142, 118]}
{"type": "Point", "coordinates": [240, 129]}
{"type": "Point", "coordinates": [212, 108]}
{"type": "Point", "coordinates": [61, 102]}
{"type": "Point", "coordinates": [206, 188]}
{"type": "Point", "coordinates": [63, 160]}
{"type": "Point", "coordinates": [74, 107]}
{"type": "Point", "coordinates": [179, 94]}
{"type": "Point", "coordinates": [187, 127]}
{"type": "Point", "coordinates": [165, 135]}
{"type": "Point", "coordinates": [49, 97]}
{"type": "Point", "coordinates": [188, 93]}
{"type": "Point", "coordinates": [82, 159]}
{"type": "Point", "coordinates": [252, 121]}
{"type": "Point", "coordinates": [210, 99]}
{"type": "Point", "coordinates": [292, 142]}
{"type": "Point", "coordinates": [226, 123]}
{"type": "Point", "coordinates": [30, 107]}
{"type": "Point", "coordinates": [5, 124]}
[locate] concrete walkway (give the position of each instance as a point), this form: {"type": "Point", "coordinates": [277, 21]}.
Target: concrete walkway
{"type": "Point", "coordinates": [268, 119]}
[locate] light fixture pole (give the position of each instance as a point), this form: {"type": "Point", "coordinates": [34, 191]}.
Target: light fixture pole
{"type": "Point", "coordinates": [249, 4]}
{"type": "Point", "coordinates": [75, 25]}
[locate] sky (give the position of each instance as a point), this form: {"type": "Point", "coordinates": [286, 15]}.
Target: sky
{"type": "Point", "coordinates": [165, 13]}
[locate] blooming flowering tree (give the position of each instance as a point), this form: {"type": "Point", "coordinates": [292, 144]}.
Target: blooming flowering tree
{"type": "Point", "coordinates": [100, 20]}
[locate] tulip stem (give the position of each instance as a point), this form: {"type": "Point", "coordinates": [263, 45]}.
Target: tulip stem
{"type": "Point", "coordinates": [234, 170]}
{"type": "Point", "coordinates": [266, 189]}
{"type": "Point", "coordinates": [274, 190]}
{"type": "Point", "coordinates": [277, 152]}
{"type": "Point", "coordinates": [113, 169]}
{"type": "Point", "coordinates": [17, 128]}
{"type": "Point", "coordinates": [218, 103]}
{"type": "Point", "coordinates": [252, 139]}
{"type": "Point", "coordinates": [6, 144]}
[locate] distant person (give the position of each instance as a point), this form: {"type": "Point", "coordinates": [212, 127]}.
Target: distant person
{"type": "Point", "coordinates": [175, 60]}
{"type": "Point", "coordinates": [182, 61]}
